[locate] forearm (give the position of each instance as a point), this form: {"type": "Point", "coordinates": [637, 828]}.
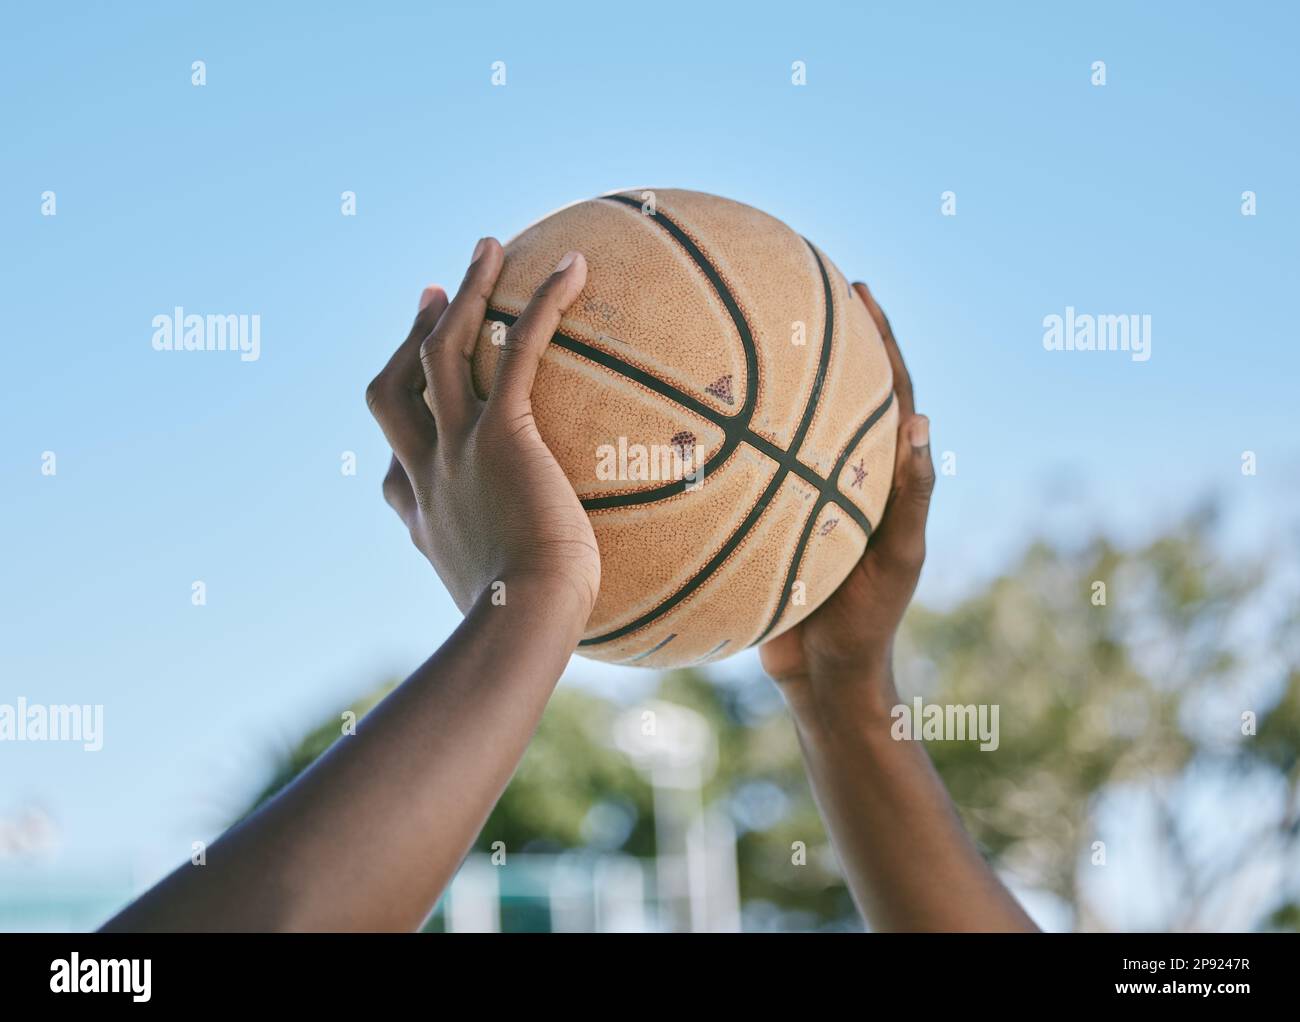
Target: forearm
{"type": "Point", "coordinates": [908, 860]}
{"type": "Point", "coordinates": [370, 835]}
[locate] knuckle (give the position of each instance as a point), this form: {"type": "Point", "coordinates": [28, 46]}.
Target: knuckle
{"type": "Point", "coordinates": [507, 420]}
{"type": "Point", "coordinates": [523, 336]}
{"type": "Point", "coordinates": [503, 424]}
{"type": "Point", "coordinates": [393, 489]}
{"type": "Point", "coordinates": [422, 494]}
{"type": "Point", "coordinates": [908, 558]}
{"type": "Point", "coordinates": [545, 299]}
{"type": "Point", "coordinates": [516, 341]}
{"type": "Point", "coordinates": [375, 391]}
{"type": "Point", "coordinates": [478, 281]}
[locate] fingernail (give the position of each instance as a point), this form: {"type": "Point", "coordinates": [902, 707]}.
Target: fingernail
{"type": "Point", "coordinates": [921, 432]}
{"type": "Point", "coordinates": [427, 296]}
{"type": "Point", "coordinates": [479, 249]}
{"type": "Point", "coordinates": [565, 262]}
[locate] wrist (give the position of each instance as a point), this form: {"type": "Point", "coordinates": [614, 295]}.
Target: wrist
{"type": "Point", "coordinates": [551, 602]}
{"type": "Point", "coordinates": [853, 705]}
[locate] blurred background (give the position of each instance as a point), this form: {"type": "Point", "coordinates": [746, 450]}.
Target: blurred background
{"type": "Point", "coordinates": [1146, 776]}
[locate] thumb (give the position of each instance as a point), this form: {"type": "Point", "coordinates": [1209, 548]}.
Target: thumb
{"type": "Point", "coordinates": [900, 537]}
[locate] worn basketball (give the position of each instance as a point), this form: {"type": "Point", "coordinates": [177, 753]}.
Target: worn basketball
{"type": "Point", "coordinates": [722, 402]}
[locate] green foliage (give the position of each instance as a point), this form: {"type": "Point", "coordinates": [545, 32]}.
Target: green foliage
{"type": "Point", "coordinates": [313, 745]}
{"type": "Point", "coordinates": [1095, 700]}
{"type": "Point", "coordinates": [570, 768]}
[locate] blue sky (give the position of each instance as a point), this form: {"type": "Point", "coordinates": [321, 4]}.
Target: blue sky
{"type": "Point", "coordinates": [1117, 199]}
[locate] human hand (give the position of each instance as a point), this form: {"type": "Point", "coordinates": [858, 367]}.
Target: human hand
{"type": "Point", "coordinates": [842, 650]}
{"type": "Point", "coordinates": [483, 497]}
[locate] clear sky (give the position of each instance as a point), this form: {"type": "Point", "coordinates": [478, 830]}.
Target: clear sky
{"type": "Point", "coordinates": [1115, 199]}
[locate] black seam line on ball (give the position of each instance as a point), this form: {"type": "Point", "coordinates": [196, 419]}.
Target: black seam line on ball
{"type": "Point", "coordinates": [733, 432]}
{"type": "Point", "coordinates": [788, 459]}
{"type": "Point", "coordinates": [824, 487]}
{"type": "Point", "coordinates": [733, 435]}
{"type": "Point", "coordinates": [783, 469]}
{"type": "Point", "coordinates": [724, 294]}
{"type": "Point", "coordinates": [712, 651]}
{"type": "Point", "coordinates": [653, 649]}
{"type": "Point", "coordinates": [840, 499]}
{"type": "Point", "coordinates": [701, 576]}
{"type": "Point", "coordinates": [734, 428]}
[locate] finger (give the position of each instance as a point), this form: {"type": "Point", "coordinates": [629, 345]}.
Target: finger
{"type": "Point", "coordinates": [527, 340]}
{"type": "Point", "coordinates": [398, 492]}
{"type": "Point", "coordinates": [902, 378]}
{"type": "Point", "coordinates": [900, 538]}
{"type": "Point", "coordinates": [394, 395]}
{"type": "Point", "coordinates": [446, 354]}
{"type": "Point", "coordinates": [428, 296]}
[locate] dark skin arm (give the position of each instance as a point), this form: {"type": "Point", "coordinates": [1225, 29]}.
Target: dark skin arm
{"type": "Point", "coordinates": [368, 837]}
{"type": "Point", "coordinates": [907, 859]}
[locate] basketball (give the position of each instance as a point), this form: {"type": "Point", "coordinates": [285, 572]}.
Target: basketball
{"type": "Point", "coordinates": [722, 402]}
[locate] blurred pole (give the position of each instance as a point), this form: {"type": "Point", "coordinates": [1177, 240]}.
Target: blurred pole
{"type": "Point", "coordinates": [569, 893]}
{"type": "Point", "coordinates": [680, 888]}
{"type": "Point", "coordinates": [475, 898]}
{"type": "Point", "coordinates": [620, 890]}
{"type": "Point", "coordinates": [711, 853]}
{"type": "Point", "coordinates": [695, 860]}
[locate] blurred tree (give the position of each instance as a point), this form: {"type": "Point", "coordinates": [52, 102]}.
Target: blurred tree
{"type": "Point", "coordinates": [1121, 723]}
